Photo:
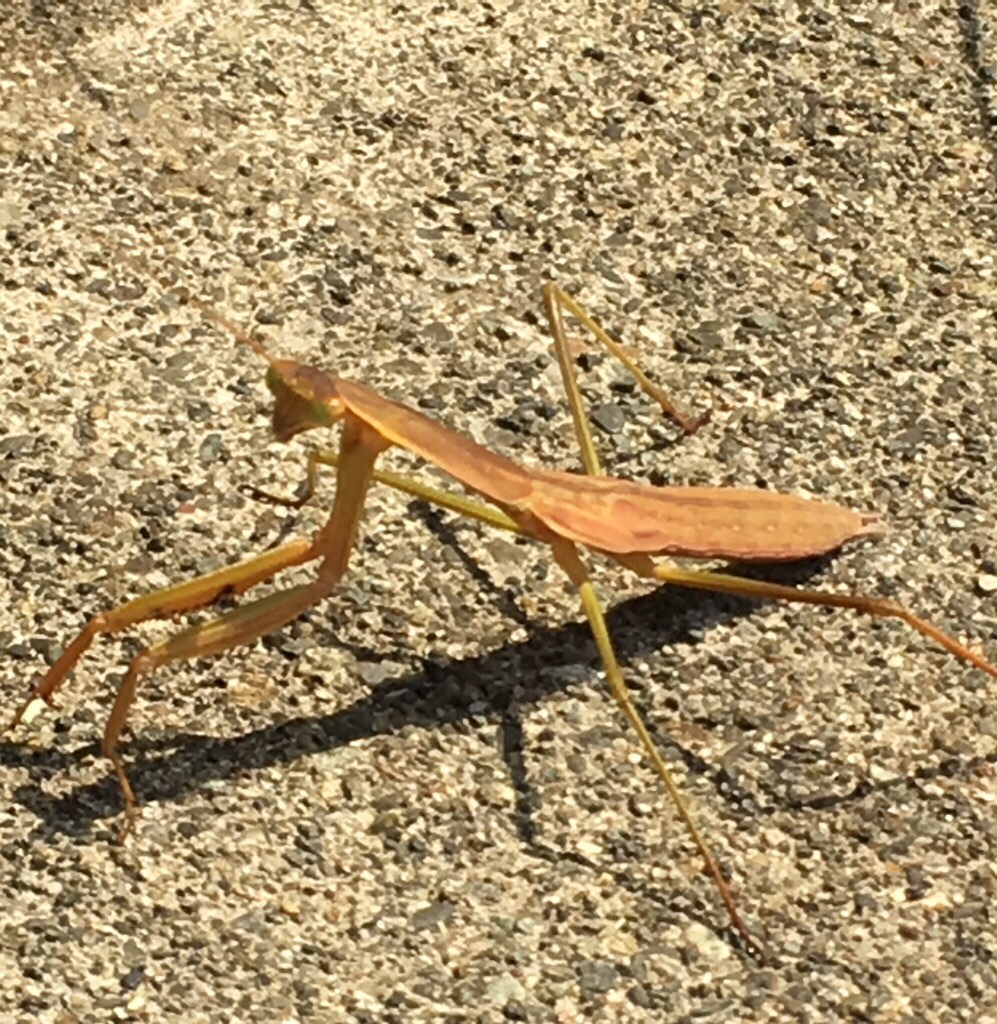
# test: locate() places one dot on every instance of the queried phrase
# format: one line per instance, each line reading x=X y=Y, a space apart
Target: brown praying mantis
x=625 y=521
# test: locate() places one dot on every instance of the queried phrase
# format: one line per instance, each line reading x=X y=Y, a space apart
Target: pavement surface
x=418 y=802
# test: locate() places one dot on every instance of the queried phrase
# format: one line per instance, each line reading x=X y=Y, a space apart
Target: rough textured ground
x=418 y=803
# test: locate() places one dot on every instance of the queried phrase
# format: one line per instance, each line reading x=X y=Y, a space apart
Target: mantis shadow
x=166 y=768
x=505 y=680
x=513 y=677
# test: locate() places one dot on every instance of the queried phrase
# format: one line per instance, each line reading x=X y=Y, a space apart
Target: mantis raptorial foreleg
x=333 y=544
x=179 y=599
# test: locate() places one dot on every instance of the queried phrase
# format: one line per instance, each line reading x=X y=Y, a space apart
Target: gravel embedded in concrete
x=418 y=803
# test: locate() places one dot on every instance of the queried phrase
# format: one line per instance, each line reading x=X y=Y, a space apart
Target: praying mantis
x=627 y=522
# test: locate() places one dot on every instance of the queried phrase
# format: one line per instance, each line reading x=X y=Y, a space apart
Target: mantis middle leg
x=566 y=555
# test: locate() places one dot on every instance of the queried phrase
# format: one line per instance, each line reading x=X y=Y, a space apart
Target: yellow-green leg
x=407 y=485
x=556 y=300
x=644 y=566
x=566 y=555
x=235 y=628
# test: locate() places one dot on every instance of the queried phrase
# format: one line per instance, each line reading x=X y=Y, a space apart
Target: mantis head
x=304 y=398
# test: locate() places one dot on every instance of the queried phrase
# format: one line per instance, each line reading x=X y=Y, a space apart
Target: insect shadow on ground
x=509 y=678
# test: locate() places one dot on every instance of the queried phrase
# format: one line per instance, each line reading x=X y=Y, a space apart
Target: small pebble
x=987 y=583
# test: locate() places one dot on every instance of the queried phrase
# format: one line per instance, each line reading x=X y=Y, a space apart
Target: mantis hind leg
x=740 y=586
x=556 y=302
x=567 y=557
